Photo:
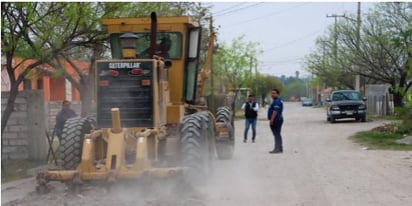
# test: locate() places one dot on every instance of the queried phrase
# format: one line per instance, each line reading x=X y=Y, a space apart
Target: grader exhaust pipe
x=153 y=34
x=116 y=126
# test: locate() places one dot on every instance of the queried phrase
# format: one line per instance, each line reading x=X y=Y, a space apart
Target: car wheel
x=332 y=119
x=363 y=119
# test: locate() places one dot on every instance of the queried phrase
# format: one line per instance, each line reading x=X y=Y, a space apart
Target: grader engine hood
x=127 y=85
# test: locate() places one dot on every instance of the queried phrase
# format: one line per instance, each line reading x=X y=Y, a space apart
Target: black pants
x=276 y=129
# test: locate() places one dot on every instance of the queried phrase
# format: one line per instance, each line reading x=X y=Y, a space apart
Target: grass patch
x=16 y=169
x=382 y=117
x=380 y=140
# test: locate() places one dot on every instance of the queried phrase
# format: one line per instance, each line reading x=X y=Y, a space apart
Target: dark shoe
x=253 y=141
x=275 y=151
x=244 y=140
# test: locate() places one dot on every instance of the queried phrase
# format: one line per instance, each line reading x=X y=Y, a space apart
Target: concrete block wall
x=24 y=135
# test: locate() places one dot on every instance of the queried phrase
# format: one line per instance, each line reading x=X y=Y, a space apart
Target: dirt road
x=320 y=166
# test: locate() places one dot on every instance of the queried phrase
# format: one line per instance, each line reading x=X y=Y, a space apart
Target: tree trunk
x=9 y=109
x=398 y=94
x=6 y=115
x=397 y=99
x=86 y=97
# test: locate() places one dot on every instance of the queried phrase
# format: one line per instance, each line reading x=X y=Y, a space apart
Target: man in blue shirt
x=61 y=117
x=250 y=107
x=276 y=120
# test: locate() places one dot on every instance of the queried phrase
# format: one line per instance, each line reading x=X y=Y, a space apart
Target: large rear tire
x=196 y=145
x=71 y=143
x=225 y=146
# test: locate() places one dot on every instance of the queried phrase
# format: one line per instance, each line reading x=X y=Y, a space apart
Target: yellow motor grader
x=149 y=121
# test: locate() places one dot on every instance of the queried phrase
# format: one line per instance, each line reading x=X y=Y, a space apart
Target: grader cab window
x=168 y=45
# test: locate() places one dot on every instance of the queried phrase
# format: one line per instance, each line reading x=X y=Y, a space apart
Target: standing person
x=276 y=120
x=250 y=107
x=64 y=114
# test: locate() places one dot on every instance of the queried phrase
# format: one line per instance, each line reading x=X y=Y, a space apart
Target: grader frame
x=164 y=132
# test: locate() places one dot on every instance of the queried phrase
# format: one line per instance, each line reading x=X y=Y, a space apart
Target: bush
x=405 y=127
x=404 y=114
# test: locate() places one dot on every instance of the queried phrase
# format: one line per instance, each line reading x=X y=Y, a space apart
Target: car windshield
x=339 y=96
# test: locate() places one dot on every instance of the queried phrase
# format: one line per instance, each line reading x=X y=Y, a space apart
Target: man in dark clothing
x=161 y=50
x=276 y=120
x=61 y=117
x=250 y=107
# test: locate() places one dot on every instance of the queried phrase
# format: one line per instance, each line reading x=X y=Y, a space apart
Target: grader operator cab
x=148 y=121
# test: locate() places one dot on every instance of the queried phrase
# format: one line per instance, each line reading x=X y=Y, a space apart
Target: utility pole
x=319 y=93
x=250 y=69
x=256 y=85
x=335 y=35
x=211 y=68
x=358 y=25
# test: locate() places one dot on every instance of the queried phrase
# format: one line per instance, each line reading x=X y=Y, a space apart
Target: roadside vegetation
x=17 y=169
x=380 y=140
x=386 y=136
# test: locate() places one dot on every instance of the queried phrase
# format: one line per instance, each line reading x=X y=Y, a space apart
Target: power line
x=241 y=8
x=265 y=16
x=282 y=61
x=293 y=41
x=230 y=8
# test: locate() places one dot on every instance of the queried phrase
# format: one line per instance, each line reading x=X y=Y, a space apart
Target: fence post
x=36 y=125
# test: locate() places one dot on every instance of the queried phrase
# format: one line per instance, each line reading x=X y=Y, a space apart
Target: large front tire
x=225 y=145
x=71 y=143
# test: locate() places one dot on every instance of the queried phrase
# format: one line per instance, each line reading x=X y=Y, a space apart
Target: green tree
x=86 y=41
x=233 y=64
x=72 y=31
x=19 y=20
x=295 y=88
x=380 y=55
x=262 y=85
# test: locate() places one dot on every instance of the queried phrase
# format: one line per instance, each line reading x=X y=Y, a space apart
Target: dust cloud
x=226 y=177
x=229 y=179
x=122 y=193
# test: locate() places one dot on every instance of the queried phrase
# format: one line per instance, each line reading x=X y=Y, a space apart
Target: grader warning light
x=113 y=73
x=136 y=71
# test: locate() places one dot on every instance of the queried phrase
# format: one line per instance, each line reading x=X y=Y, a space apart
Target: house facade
x=46 y=78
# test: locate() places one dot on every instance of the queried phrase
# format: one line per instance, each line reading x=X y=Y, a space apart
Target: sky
x=286 y=31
